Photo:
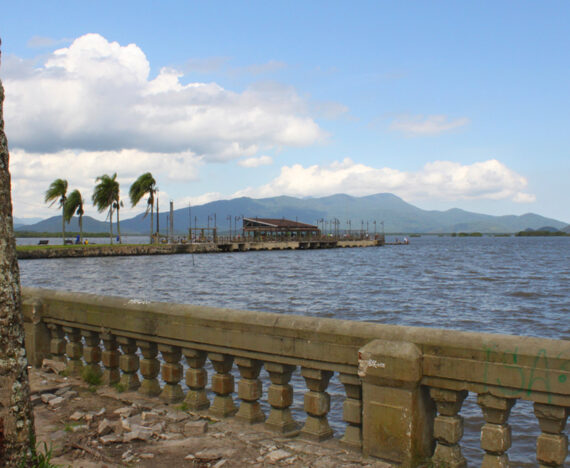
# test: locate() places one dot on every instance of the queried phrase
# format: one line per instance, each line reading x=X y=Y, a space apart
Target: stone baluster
x=171 y=374
x=57 y=343
x=448 y=427
x=129 y=363
x=196 y=379
x=110 y=359
x=496 y=432
x=317 y=403
x=92 y=354
x=222 y=385
x=149 y=368
x=249 y=390
x=74 y=351
x=552 y=445
x=352 y=410
x=280 y=397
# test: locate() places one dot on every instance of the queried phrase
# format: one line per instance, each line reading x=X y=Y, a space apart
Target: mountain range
x=397 y=215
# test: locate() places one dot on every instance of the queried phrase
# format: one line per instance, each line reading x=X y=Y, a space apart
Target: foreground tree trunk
x=16 y=416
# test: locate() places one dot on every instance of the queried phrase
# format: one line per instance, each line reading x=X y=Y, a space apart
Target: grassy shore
x=73 y=246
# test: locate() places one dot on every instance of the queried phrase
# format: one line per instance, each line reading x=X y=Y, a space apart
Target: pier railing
x=404 y=386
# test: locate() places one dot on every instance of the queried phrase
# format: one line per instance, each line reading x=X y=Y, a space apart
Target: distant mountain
x=20 y=222
x=53 y=224
x=397 y=215
x=566 y=229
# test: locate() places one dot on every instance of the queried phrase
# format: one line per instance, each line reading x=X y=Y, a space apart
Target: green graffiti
x=527 y=380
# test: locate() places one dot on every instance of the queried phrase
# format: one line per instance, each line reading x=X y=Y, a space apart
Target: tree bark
x=16 y=416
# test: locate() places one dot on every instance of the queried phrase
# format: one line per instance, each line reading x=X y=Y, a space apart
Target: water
x=518 y=286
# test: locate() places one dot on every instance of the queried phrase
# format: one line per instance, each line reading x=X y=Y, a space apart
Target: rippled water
x=497 y=285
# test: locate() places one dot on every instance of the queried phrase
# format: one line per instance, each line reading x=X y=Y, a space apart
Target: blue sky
x=445 y=104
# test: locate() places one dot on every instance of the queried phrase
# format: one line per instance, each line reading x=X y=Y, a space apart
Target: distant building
x=278 y=229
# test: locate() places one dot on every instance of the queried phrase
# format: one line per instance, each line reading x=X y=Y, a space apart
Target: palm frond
x=56 y=192
x=73 y=205
x=145 y=184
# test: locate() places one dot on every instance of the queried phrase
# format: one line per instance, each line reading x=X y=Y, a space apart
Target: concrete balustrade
x=404 y=386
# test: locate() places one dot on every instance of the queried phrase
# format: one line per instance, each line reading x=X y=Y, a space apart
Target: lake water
x=497 y=285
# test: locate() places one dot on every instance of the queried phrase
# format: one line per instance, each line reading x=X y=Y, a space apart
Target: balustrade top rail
x=535 y=369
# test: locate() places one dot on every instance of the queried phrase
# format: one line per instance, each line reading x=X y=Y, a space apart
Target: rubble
x=129 y=429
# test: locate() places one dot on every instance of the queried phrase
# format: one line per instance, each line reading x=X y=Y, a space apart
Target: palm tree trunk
x=119 y=227
x=81 y=229
x=62 y=227
x=16 y=416
x=111 y=224
x=151 y=220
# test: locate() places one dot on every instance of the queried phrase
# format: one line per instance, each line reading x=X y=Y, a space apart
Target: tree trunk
x=151 y=220
x=119 y=226
x=16 y=416
x=111 y=224
x=62 y=226
x=81 y=229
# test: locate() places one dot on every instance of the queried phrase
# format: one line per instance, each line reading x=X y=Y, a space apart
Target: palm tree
x=106 y=196
x=74 y=205
x=144 y=185
x=57 y=192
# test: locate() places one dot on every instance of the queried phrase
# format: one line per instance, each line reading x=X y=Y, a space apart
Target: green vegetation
x=91 y=376
x=182 y=406
x=540 y=233
x=26 y=248
x=119 y=387
x=144 y=185
x=74 y=205
x=57 y=193
x=106 y=196
x=466 y=234
x=39 y=458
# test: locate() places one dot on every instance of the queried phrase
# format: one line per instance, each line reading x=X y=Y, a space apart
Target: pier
x=404 y=386
x=197 y=247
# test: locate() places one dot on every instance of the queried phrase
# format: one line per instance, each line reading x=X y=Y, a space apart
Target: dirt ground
x=90 y=427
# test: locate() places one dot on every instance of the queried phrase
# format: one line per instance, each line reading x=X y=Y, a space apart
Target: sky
x=445 y=104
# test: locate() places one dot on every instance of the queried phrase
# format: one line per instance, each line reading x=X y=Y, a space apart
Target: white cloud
x=32 y=173
x=256 y=162
x=97 y=95
x=419 y=125
x=439 y=180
